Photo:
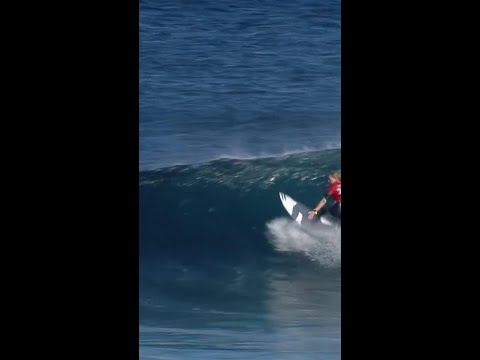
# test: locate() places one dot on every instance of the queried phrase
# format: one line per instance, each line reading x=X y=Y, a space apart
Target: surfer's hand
x=311 y=214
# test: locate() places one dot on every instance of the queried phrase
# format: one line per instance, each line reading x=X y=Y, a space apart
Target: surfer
x=334 y=191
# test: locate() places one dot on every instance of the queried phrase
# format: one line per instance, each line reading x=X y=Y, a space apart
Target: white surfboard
x=298 y=211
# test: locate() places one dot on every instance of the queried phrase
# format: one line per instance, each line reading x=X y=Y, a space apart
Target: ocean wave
x=228 y=210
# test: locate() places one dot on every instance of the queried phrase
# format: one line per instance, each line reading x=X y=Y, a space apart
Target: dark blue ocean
x=238 y=100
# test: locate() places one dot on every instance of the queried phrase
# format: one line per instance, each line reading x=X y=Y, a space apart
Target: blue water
x=237 y=78
x=238 y=100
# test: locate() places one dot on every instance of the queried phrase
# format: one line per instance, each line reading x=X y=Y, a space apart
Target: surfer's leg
x=336 y=210
x=320 y=213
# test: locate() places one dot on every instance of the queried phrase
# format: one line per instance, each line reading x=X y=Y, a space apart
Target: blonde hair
x=337 y=175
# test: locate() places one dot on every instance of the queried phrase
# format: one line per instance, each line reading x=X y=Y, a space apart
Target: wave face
x=225 y=272
x=228 y=210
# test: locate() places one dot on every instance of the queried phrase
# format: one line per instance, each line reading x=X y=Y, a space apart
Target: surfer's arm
x=317 y=208
x=320 y=204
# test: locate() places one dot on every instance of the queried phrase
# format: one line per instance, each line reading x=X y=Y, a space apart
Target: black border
x=116 y=175
x=83 y=172
x=369 y=257
x=390 y=232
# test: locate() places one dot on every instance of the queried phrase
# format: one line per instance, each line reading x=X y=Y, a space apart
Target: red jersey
x=335 y=191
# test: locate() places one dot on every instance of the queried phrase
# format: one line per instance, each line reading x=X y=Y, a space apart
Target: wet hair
x=336 y=175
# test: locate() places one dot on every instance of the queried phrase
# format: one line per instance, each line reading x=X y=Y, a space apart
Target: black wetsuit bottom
x=336 y=210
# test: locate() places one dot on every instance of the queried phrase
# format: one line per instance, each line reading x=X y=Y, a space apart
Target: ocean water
x=238 y=100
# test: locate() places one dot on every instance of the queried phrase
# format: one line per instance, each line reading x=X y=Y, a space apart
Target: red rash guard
x=335 y=191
